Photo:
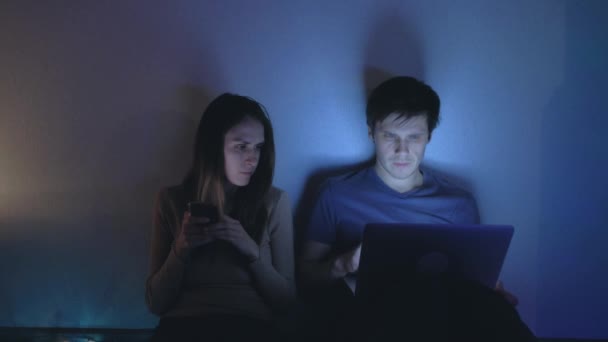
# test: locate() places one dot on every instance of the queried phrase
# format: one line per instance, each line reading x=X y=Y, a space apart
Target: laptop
x=396 y=251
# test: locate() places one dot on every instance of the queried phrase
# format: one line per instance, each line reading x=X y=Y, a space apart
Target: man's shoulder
x=346 y=182
x=448 y=185
x=456 y=194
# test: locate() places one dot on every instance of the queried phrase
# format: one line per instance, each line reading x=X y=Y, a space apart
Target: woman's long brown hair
x=207 y=176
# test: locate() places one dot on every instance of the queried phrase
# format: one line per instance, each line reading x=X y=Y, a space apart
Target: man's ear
x=370 y=133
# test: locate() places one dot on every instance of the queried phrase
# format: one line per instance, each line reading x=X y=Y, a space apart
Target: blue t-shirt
x=347 y=203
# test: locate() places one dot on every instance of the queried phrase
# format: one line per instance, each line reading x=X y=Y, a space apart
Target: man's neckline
x=414 y=189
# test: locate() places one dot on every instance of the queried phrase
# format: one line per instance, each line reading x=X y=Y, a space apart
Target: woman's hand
x=231 y=230
x=192 y=234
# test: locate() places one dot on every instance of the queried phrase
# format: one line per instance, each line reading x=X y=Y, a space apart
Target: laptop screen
x=396 y=251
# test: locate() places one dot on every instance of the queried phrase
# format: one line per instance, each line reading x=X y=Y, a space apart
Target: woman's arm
x=274 y=278
x=166 y=268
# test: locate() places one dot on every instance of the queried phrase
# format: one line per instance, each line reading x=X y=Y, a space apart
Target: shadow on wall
x=177 y=128
x=76 y=255
x=392 y=49
x=176 y=131
x=84 y=264
x=574 y=191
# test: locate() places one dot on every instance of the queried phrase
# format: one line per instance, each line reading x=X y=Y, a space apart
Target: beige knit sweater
x=215 y=280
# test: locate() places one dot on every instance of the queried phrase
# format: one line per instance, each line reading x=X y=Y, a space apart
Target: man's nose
x=402 y=146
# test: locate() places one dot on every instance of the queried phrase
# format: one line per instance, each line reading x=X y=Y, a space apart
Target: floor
x=73 y=335
x=111 y=335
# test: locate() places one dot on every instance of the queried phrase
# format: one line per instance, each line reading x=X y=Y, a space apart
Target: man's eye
x=415 y=137
x=389 y=136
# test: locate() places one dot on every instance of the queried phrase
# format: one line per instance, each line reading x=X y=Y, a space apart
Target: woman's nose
x=252 y=156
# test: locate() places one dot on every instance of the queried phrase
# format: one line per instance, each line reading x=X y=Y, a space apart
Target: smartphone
x=200 y=209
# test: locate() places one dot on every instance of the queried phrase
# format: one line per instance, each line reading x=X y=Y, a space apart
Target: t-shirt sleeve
x=322 y=224
x=467 y=213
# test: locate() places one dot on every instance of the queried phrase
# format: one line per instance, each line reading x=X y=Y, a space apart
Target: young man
x=402 y=114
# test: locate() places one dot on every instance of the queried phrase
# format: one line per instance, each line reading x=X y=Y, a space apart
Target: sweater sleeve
x=166 y=269
x=275 y=277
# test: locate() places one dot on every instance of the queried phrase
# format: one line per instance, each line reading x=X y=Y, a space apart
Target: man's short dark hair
x=405 y=96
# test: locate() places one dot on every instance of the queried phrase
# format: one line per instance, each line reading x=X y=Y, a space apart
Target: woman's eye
x=259 y=147
x=241 y=147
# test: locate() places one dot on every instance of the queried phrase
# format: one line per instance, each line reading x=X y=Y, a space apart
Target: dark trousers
x=213 y=328
x=421 y=310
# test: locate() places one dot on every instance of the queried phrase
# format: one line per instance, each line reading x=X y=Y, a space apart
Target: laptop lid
x=389 y=250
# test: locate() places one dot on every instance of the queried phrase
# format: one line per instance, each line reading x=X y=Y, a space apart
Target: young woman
x=224 y=279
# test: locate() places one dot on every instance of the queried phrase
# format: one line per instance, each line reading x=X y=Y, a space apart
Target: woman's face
x=242 y=146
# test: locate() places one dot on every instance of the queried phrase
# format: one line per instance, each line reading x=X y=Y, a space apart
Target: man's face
x=242 y=146
x=400 y=145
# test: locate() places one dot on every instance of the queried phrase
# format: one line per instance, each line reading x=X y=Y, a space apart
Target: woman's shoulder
x=278 y=209
x=274 y=196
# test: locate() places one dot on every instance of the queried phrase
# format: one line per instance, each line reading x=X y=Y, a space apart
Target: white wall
x=99 y=103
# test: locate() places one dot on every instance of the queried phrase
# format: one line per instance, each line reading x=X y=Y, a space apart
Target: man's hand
x=506 y=294
x=349 y=261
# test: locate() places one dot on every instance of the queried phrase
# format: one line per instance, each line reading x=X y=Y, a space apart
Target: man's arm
x=320 y=267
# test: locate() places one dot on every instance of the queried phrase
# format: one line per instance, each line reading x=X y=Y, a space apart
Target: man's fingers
x=510 y=298
x=506 y=294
